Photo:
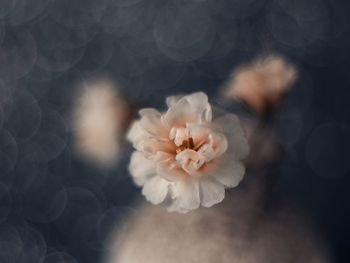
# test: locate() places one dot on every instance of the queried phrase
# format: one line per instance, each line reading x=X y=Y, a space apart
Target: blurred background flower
x=100 y=119
x=263 y=84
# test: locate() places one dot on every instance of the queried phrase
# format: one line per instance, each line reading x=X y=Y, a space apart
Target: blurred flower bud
x=262 y=84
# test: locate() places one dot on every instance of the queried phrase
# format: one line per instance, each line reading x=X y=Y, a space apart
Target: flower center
x=186 y=144
x=183 y=139
x=191 y=153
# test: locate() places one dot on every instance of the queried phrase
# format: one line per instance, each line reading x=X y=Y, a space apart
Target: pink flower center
x=192 y=154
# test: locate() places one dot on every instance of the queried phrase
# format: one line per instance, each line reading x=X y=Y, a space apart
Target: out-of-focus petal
x=230 y=126
x=172 y=100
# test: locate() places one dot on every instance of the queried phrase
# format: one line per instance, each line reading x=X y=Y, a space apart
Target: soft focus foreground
x=240 y=229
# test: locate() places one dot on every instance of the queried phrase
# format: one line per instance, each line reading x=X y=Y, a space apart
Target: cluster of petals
x=184 y=158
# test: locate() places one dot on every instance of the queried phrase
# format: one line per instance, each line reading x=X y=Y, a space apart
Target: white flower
x=183 y=159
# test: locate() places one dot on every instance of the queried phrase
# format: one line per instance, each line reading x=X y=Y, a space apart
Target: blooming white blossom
x=184 y=158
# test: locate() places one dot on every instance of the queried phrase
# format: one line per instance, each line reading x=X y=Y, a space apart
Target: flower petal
x=199 y=133
x=219 y=143
x=206 y=153
x=200 y=105
x=172 y=100
x=141 y=168
x=230 y=126
x=152 y=146
x=187 y=195
x=193 y=108
x=211 y=192
x=170 y=170
x=229 y=173
x=151 y=121
x=190 y=161
x=155 y=190
x=179 y=114
x=186 y=155
x=136 y=133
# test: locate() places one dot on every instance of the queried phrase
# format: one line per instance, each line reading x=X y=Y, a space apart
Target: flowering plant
x=184 y=158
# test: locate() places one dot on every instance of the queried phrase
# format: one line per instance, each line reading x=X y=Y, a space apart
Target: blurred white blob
x=261 y=84
x=98 y=122
x=238 y=230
